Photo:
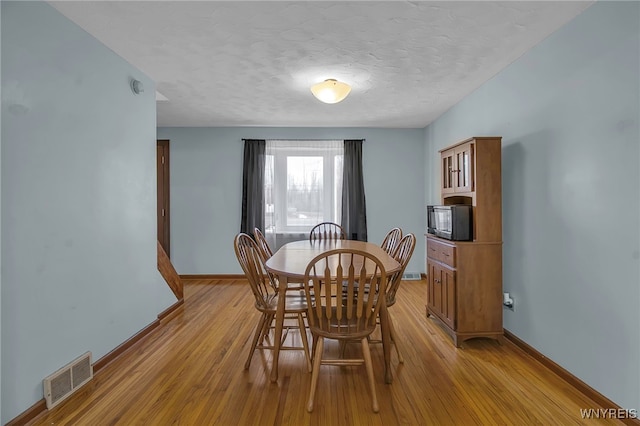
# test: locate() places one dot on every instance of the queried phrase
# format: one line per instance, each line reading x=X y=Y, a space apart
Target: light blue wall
x=206 y=189
x=79 y=266
x=568 y=112
x=0 y=235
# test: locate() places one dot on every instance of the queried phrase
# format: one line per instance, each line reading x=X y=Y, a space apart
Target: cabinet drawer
x=441 y=252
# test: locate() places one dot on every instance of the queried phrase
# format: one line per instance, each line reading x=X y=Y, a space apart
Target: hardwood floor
x=189 y=371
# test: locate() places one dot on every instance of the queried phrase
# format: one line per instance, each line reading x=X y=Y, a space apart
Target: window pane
x=269 y=211
x=338 y=161
x=305 y=195
x=465 y=169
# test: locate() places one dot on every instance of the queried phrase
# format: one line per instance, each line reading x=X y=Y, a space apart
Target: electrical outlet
x=508 y=301
x=512 y=306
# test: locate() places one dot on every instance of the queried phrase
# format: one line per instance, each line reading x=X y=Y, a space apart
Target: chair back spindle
x=262 y=243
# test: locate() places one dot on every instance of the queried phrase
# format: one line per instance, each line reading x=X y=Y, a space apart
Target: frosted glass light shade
x=330 y=91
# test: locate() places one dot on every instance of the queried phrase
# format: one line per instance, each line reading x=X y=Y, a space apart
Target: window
x=303 y=184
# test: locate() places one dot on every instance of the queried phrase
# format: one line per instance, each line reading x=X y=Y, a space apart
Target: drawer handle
x=446 y=254
x=432 y=249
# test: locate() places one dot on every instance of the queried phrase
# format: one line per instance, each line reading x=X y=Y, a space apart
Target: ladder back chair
x=327 y=231
x=391 y=240
x=266 y=251
x=342 y=311
x=266 y=300
x=402 y=255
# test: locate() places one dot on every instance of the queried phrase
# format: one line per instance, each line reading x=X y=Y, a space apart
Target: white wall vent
x=411 y=276
x=61 y=384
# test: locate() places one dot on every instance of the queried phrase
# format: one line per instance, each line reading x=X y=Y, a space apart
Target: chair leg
x=372 y=384
x=305 y=342
x=314 y=342
x=256 y=337
x=395 y=341
x=264 y=334
x=316 y=370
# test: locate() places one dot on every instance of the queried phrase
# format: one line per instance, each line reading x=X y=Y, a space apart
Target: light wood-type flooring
x=189 y=371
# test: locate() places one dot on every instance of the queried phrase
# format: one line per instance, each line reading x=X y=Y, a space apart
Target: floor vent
x=67 y=380
x=412 y=276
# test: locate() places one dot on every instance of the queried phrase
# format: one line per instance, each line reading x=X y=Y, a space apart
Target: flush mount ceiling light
x=330 y=91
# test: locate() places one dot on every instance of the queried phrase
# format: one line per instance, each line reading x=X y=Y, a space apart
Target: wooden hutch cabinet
x=465 y=277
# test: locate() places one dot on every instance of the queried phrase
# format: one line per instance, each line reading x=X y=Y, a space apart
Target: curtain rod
x=303 y=140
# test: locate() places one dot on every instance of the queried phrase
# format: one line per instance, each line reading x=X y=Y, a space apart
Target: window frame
x=280 y=153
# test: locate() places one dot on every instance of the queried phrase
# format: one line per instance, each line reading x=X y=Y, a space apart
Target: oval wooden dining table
x=289 y=264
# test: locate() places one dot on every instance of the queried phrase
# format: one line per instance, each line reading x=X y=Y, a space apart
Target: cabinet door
x=448 y=291
x=442 y=293
x=434 y=295
x=463 y=168
x=448 y=171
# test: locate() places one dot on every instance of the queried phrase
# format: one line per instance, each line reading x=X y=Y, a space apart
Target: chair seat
x=295 y=303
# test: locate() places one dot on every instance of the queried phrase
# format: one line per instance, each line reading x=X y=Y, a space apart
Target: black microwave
x=451 y=222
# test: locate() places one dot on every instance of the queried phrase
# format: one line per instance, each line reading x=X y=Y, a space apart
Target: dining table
x=289 y=264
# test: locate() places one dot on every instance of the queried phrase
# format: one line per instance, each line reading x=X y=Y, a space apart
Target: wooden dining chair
x=266 y=299
x=402 y=254
x=266 y=251
x=263 y=245
x=343 y=312
x=327 y=231
x=391 y=240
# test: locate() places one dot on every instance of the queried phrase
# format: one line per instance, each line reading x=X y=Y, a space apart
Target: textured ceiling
x=239 y=63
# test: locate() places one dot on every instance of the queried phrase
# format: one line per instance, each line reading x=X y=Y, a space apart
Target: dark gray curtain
x=253 y=186
x=354 y=209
